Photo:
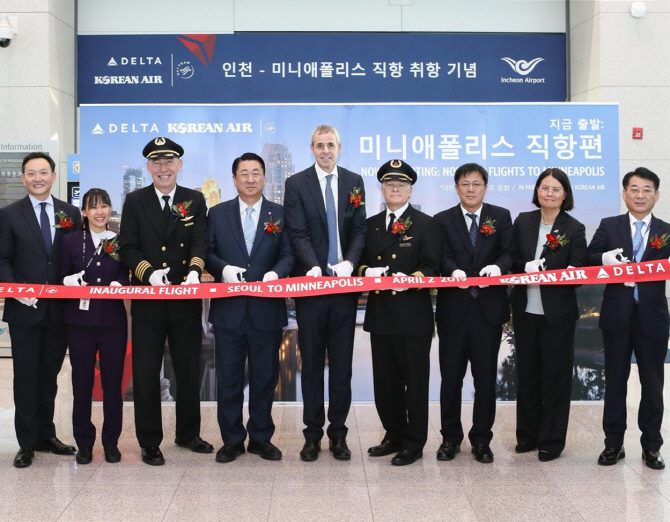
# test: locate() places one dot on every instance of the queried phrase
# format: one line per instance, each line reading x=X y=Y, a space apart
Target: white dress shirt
x=49 y=210
x=323 y=182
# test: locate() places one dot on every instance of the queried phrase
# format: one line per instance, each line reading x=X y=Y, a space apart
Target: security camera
x=8 y=29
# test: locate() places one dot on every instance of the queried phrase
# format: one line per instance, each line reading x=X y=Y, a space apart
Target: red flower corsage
x=111 y=248
x=659 y=242
x=554 y=242
x=272 y=227
x=488 y=227
x=356 y=198
x=64 y=221
x=182 y=210
x=401 y=226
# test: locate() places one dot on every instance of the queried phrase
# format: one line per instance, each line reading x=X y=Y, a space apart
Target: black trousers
x=401 y=371
x=326 y=325
x=544 y=362
x=478 y=342
x=184 y=339
x=650 y=355
x=233 y=349
x=37 y=356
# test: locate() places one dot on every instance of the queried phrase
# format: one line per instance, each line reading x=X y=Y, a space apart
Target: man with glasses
x=634 y=318
x=400 y=241
x=477 y=240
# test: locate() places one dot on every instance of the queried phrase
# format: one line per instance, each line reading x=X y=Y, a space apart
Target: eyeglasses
x=646 y=191
x=396 y=186
x=465 y=185
x=553 y=190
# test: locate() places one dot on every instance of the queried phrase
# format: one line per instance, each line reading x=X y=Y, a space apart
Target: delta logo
x=522 y=68
x=201 y=45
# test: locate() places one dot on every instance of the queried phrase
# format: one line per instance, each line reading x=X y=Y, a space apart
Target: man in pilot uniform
x=164 y=241
x=400 y=241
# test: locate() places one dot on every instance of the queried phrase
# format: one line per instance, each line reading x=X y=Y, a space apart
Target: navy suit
x=470 y=326
x=38 y=339
x=629 y=327
x=102 y=328
x=325 y=323
x=247 y=327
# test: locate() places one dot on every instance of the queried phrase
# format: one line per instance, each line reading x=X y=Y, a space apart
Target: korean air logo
x=270 y=128
x=185 y=70
x=51 y=290
x=97 y=129
x=522 y=67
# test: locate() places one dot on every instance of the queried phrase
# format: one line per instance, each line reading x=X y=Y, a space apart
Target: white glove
x=233 y=274
x=343 y=269
x=192 y=278
x=489 y=271
x=28 y=301
x=315 y=271
x=376 y=271
x=536 y=265
x=75 y=279
x=615 y=257
x=115 y=283
x=159 y=277
x=270 y=276
x=399 y=274
x=459 y=274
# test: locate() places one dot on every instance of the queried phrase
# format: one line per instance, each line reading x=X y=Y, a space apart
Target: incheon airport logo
x=185 y=70
x=522 y=68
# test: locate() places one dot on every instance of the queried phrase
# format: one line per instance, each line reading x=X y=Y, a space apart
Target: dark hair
x=38 y=155
x=467 y=169
x=562 y=178
x=248 y=156
x=94 y=196
x=643 y=173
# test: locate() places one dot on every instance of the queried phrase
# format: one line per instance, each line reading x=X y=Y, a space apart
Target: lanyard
x=83 y=253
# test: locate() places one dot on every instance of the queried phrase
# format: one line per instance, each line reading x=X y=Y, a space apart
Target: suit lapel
x=462 y=228
x=154 y=211
x=531 y=245
x=179 y=197
x=31 y=218
x=314 y=188
x=236 y=225
x=383 y=238
x=343 y=197
x=626 y=238
x=655 y=229
x=266 y=215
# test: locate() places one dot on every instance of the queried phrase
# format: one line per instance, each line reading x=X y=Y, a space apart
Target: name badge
x=84 y=304
x=405 y=245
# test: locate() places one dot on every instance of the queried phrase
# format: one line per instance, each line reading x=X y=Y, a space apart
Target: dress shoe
x=611 y=456
x=482 y=453
x=24 y=457
x=152 y=456
x=339 y=448
x=55 y=446
x=546 y=456
x=310 y=451
x=385 y=448
x=112 y=454
x=265 y=449
x=229 y=452
x=653 y=459
x=405 y=457
x=525 y=447
x=84 y=455
x=195 y=444
x=448 y=450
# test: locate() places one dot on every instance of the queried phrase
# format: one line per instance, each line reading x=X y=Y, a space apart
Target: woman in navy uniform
x=90 y=256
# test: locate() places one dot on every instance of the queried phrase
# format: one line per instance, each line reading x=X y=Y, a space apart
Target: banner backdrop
x=515 y=142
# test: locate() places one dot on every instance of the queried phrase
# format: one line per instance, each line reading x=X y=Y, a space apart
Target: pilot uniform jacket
x=270 y=252
x=100 y=272
x=151 y=242
x=558 y=301
x=24 y=258
x=414 y=253
x=615 y=313
x=458 y=254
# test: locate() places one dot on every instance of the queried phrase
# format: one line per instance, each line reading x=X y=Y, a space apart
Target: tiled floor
x=195 y=487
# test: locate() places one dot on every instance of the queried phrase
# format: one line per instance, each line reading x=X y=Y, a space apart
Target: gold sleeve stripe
x=361 y=270
x=417 y=274
x=141 y=268
x=199 y=262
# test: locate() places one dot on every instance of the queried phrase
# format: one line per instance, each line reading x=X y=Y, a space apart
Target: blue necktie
x=46 y=227
x=249 y=229
x=639 y=250
x=473 y=240
x=331 y=218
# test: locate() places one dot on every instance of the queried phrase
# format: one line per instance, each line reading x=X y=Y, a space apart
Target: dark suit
x=401 y=325
x=247 y=327
x=326 y=323
x=103 y=329
x=545 y=344
x=149 y=242
x=38 y=339
x=633 y=328
x=470 y=326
